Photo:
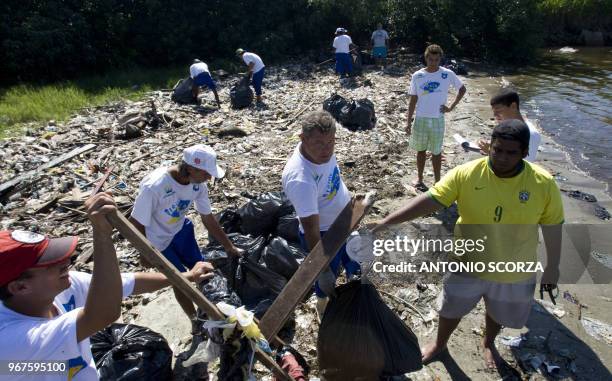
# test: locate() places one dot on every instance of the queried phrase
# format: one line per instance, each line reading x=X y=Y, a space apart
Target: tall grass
x=30 y=103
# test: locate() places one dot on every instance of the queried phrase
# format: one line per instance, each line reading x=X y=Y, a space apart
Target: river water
x=570 y=94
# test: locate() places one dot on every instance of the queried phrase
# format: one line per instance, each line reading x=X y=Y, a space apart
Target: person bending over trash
x=201 y=77
x=501 y=201
x=343 y=44
x=165 y=197
x=312 y=182
x=48 y=313
x=505 y=105
x=428 y=93
x=256 y=70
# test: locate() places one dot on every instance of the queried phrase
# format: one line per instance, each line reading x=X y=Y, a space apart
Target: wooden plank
x=154 y=257
x=318 y=259
x=58 y=160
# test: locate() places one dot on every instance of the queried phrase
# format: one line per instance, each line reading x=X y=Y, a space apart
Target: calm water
x=571 y=97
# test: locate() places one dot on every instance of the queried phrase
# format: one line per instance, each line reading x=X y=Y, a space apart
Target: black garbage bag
x=358 y=115
x=334 y=105
x=217 y=289
x=241 y=95
x=282 y=257
x=181 y=93
x=229 y=220
x=125 y=352
x=255 y=284
x=359 y=322
x=215 y=253
x=260 y=216
x=366 y=58
x=287 y=228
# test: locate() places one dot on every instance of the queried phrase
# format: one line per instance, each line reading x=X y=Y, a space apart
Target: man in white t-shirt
x=165 y=197
x=255 y=71
x=428 y=95
x=380 y=44
x=343 y=44
x=48 y=313
x=311 y=180
x=505 y=105
x=198 y=71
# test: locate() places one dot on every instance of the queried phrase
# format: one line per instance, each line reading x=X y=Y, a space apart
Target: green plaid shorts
x=427 y=134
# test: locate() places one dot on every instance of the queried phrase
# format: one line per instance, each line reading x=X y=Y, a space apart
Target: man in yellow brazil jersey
x=504 y=198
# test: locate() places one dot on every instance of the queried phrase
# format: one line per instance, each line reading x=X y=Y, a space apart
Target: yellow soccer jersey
x=505 y=210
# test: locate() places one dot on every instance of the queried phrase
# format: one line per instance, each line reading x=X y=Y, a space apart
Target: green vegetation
x=47 y=44
x=28 y=103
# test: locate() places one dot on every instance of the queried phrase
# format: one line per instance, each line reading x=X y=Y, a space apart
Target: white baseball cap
x=203 y=157
x=340 y=30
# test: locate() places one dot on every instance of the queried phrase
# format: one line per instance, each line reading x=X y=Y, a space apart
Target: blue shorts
x=204 y=79
x=379 y=52
x=344 y=63
x=183 y=251
x=258 y=80
x=341 y=257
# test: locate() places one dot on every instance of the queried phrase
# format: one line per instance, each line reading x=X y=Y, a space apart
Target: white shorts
x=508 y=304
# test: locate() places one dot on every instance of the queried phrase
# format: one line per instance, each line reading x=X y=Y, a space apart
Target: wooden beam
x=318 y=259
x=153 y=256
x=58 y=160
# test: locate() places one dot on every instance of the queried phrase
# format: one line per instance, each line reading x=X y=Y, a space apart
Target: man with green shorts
x=428 y=95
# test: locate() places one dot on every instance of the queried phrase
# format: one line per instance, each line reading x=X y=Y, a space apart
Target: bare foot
x=491 y=356
x=420 y=186
x=431 y=351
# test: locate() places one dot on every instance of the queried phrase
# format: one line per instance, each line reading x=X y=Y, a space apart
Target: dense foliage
x=57 y=39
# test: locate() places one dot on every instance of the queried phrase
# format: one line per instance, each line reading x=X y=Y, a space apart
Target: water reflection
x=571 y=97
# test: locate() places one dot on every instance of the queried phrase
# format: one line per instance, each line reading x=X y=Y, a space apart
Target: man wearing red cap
x=47 y=312
x=165 y=197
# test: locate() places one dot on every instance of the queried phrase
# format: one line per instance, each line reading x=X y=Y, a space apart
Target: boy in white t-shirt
x=255 y=71
x=165 y=197
x=428 y=95
x=343 y=44
x=311 y=180
x=505 y=105
x=48 y=313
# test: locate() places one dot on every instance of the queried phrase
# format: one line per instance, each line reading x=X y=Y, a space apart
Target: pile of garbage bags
x=266 y=228
x=355 y=115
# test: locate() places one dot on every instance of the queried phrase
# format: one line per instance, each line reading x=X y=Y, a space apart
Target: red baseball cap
x=21 y=250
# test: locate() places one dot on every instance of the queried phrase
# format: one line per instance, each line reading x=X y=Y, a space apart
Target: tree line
x=49 y=40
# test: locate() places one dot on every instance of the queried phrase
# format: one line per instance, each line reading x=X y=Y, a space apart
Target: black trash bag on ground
x=282 y=257
x=255 y=284
x=125 y=352
x=334 y=105
x=229 y=220
x=215 y=253
x=358 y=115
x=366 y=58
x=241 y=95
x=235 y=358
x=287 y=228
x=181 y=93
x=359 y=322
x=260 y=216
x=217 y=289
